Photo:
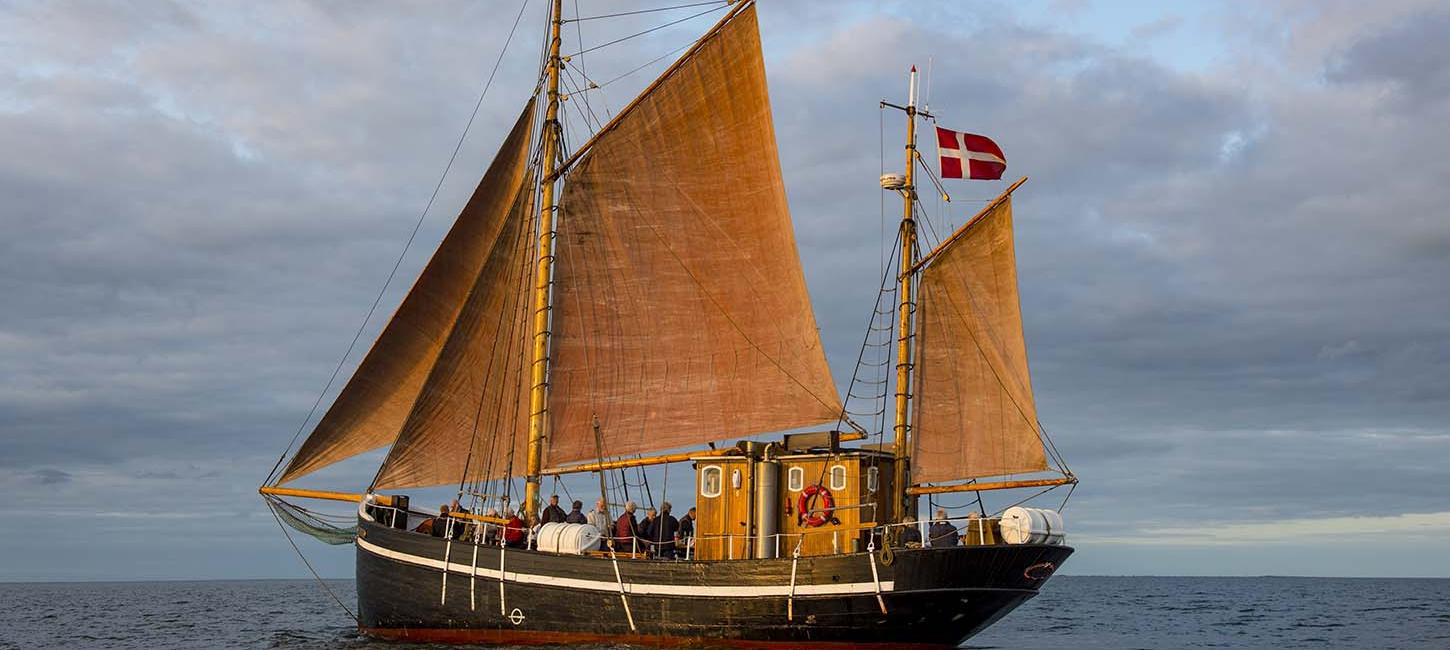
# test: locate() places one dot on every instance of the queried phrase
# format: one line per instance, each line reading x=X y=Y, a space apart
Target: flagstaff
x=901 y=444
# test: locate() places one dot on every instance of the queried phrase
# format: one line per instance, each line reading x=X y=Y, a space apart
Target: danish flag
x=964 y=155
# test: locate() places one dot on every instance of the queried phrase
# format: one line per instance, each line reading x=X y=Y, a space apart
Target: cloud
x=1419 y=527
x=50 y=476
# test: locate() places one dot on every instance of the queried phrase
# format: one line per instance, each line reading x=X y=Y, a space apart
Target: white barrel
x=1021 y=525
x=570 y=539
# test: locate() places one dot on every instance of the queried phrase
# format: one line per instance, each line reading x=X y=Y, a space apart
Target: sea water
x=1071 y=612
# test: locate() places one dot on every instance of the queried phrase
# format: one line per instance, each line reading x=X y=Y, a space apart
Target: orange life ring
x=803 y=506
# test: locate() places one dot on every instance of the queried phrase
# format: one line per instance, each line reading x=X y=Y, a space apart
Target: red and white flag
x=964 y=155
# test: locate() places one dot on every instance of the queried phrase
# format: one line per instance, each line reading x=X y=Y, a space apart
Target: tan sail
x=469 y=418
x=680 y=312
x=371 y=408
x=975 y=414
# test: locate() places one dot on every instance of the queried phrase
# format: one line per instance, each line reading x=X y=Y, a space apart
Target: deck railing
x=970 y=531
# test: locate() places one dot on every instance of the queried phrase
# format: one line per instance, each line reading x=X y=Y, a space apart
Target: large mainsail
x=680 y=312
x=370 y=410
x=975 y=414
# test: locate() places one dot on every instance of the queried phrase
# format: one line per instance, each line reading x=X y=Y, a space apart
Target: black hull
x=931 y=597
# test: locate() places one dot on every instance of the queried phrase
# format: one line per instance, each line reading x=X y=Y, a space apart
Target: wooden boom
x=484 y=518
x=983 y=487
x=622 y=463
x=380 y=499
x=638 y=462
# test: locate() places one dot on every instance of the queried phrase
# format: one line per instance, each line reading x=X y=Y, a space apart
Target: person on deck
x=664 y=532
x=440 y=523
x=553 y=513
x=460 y=526
x=490 y=531
x=910 y=534
x=626 y=530
x=942 y=533
x=514 y=533
x=685 y=533
x=647 y=531
x=599 y=518
x=575 y=516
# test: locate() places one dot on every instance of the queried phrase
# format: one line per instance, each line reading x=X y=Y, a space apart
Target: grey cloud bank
x=1233 y=277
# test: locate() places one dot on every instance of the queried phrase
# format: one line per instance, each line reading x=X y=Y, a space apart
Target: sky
x=1233 y=250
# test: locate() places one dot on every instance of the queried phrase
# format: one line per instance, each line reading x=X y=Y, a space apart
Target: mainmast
x=901 y=446
x=539 y=394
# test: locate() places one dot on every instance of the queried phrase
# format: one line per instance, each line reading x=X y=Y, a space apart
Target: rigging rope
x=320 y=581
x=600 y=86
x=652 y=29
x=642 y=11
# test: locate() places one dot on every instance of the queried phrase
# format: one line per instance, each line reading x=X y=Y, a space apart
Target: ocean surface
x=1072 y=612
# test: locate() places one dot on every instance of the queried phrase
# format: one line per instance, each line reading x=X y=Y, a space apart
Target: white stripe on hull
x=632 y=588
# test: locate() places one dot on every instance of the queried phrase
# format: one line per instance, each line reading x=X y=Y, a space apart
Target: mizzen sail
x=975 y=415
x=680 y=312
x=371 y=409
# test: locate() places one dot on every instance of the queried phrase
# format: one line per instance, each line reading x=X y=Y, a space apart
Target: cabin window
x=710 y=481
x=795 y=479
x=735 y=479
x=838 y=477
x=873 y=474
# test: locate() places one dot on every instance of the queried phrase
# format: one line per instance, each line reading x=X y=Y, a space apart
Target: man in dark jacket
x=626 y=530
x=575 y=515
x=942 y=532
x=440 y=523
x=663 y=534
x=910 y=534
x=647 y=531
x=686 y=532
x=553 y=513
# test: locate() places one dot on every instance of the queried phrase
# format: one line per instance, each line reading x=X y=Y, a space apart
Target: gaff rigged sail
x=975 y=415
x=680 y=312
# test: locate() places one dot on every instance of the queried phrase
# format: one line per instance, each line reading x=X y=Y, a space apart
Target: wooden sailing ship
x=643 y=294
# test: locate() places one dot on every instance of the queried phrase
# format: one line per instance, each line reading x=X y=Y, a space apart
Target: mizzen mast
x=901 y=445
x=539 y=363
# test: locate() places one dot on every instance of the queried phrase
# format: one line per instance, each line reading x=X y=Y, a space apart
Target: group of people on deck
x=513 y=534
x=941 y=533
x=659 y=535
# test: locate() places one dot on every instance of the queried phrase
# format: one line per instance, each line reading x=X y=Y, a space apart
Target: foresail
x=975 y=414
x=470 y=419
x=371 y=408
x=681 y=314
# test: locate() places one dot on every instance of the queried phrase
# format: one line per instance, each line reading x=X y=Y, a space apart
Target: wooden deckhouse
x=775 y=502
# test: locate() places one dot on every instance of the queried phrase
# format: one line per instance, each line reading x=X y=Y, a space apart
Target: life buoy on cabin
x=819 y=517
